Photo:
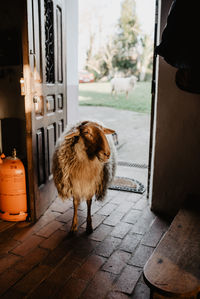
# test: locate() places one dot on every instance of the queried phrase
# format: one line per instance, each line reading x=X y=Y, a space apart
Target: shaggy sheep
x=123 y=85
x=84 y=165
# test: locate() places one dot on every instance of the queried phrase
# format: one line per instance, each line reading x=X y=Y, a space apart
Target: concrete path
x=132 y=129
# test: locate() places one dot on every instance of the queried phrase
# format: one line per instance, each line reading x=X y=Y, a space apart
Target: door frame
x=153 y=97
x=28 y=108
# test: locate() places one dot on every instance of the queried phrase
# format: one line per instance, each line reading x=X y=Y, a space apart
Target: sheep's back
x=61 y=166
x=122 y=84
x=76 y=176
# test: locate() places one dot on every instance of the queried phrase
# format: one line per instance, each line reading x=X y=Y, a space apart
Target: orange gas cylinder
x=13 y=201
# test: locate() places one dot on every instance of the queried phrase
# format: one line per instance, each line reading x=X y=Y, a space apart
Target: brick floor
x=44 y=261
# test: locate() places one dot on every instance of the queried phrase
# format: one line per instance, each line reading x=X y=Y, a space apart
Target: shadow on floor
x=42 y=261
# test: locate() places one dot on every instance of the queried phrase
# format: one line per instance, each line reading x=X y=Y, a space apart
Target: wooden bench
x=173 y=270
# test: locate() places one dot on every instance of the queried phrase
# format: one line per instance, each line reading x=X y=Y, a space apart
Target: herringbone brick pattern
x=43 y=261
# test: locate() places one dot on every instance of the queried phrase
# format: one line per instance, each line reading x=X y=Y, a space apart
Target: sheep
x=123 y=85
x=84 y=164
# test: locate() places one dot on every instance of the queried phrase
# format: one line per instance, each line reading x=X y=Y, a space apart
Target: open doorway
x=116 y=41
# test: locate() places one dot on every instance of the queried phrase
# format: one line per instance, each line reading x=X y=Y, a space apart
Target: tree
x=127 y=38
x=101 y=64
x=145 y=58
x=128 y=50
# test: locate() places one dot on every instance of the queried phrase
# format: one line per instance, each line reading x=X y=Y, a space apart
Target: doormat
x=132 y=164
x=127 y=184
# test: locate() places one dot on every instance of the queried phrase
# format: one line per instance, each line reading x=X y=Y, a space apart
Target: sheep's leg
x=112 y=91
x=127 y=94
x=74 y=226
x=89 y=228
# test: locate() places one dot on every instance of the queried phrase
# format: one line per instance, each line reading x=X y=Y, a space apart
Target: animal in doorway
x=84 y=164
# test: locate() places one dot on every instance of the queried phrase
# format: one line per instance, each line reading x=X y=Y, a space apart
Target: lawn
x=99 y=94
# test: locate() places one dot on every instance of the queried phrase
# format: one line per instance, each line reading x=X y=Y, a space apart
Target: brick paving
x=44 y=261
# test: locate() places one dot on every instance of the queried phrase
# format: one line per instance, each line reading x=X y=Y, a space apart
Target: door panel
x=45 y=94
x=50 y=104
x=59 y=43
x=40 y=157
x=60 y=127
x=60 y=101
x=47 y=26
x=51 y=139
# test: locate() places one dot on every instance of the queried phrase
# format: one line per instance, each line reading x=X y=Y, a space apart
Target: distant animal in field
x=84 y=164
x=123 y=85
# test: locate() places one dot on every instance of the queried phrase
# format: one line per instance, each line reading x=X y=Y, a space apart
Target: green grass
x=99 y=94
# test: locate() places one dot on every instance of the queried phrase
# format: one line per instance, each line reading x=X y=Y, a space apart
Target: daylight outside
x=115 y=73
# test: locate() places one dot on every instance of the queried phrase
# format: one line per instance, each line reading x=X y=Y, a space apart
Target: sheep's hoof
x=73 y=229
x=89 y=230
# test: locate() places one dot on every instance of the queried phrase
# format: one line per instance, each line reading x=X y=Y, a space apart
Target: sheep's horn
x=108 y=131
x=73 y=134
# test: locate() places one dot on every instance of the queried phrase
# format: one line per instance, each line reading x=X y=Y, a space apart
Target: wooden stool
x=173 y=270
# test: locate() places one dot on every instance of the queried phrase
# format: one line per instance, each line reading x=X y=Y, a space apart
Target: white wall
x=71 y=9
x=176 y=164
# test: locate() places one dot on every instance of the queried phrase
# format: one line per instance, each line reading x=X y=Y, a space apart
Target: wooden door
x=45 y=95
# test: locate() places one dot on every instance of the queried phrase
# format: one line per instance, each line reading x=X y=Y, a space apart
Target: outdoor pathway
x=133 y=131
x=132 y=128
x=43 y=261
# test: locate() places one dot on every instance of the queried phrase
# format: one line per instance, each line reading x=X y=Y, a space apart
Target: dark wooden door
x=45 y=95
